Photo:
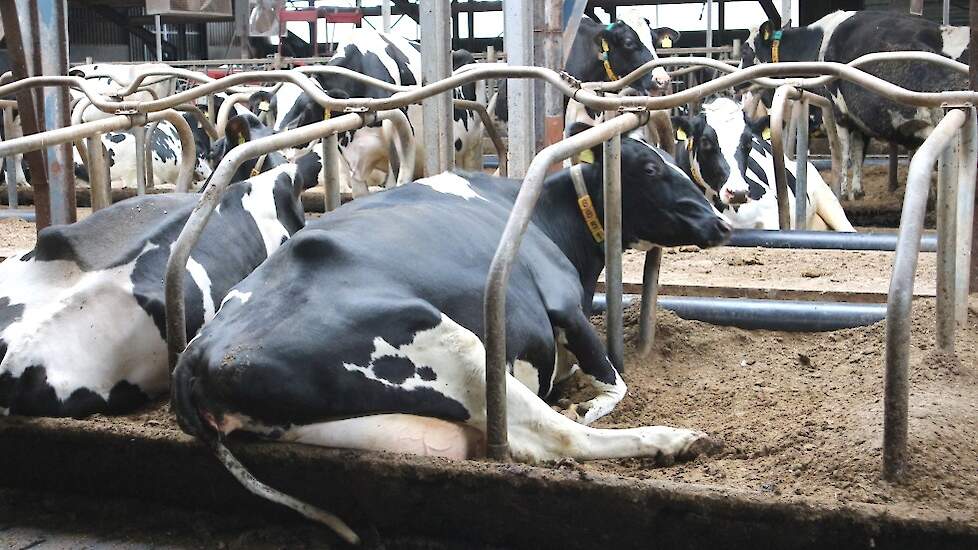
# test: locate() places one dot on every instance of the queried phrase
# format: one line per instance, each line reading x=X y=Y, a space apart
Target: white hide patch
x=827 y=25
x=235 y=293
x=451 y=184
x=203 y=282
x=526 y=373
x=85 y=328
x=956 y=40
x=447 y=349
x=260 y=203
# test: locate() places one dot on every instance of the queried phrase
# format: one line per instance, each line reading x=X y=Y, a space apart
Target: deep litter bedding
x=801 y=415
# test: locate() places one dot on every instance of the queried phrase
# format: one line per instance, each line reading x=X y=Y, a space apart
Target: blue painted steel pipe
x=786 y=315
x=824 y=240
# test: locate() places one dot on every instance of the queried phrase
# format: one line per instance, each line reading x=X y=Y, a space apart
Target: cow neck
x=796 y=44
x=559 y=215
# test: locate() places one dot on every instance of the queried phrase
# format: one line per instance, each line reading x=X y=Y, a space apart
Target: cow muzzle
x=735 y=197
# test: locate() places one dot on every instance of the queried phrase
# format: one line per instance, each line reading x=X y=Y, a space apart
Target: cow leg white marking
x=397 y=433
x=845 y=139
x=857 y=146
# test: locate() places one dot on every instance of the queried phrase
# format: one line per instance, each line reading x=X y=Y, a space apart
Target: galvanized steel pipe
x=176 y=331
x=947 y=217
x=650 y=295
x=614 y=323
x=898 y=307
x=778 y=105
x=801 y=165
x=497 y=445
x=967 y=152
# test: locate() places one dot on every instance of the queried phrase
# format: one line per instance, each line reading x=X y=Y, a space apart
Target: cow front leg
x=538 y=433
x=595 y=369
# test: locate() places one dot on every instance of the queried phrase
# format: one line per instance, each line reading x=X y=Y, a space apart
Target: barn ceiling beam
x=123 y=21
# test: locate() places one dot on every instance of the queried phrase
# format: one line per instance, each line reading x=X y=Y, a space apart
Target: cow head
x=652 y=39
x=262 y=104
x=202 y=142
x=239 y=130
x=759 y=47
x=625 y=52
x=660 y=205
x=715 y=147
x=305 y=111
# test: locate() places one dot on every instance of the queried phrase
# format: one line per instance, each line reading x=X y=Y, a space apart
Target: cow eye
x=706 y=145
x=629 y=43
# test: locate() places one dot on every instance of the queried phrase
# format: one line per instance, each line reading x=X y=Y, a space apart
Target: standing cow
x=366 y=151
x=731 y=161
x=846 y=35
x=82 y=326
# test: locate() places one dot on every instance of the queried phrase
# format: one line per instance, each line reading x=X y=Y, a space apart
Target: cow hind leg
x=399 y=433
x=858 y=148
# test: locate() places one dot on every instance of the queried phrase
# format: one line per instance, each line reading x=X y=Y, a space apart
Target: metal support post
x=916 y=7
x=900 y=298
x=786 y=13
x=650 y=297
x=385 y=15
x=9 y=164
x=139 y=135
x=614 y=315
x=554 y=100
x=52 y=41
x=973 y=82
x=518 y=43
x=801 y=166
x=331 y=173
x=709 y=26
x=241 y=27
x=159 y=37
x=946 y=13
x=436 y=64
x=967 y=169
x=947 y=217
x=99 y=178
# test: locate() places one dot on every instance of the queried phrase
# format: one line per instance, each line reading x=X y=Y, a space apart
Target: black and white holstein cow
x=604 y=53
x=82 y=314
x=367 y=151
x=732 y=162
x=364 y=330
x=846 y=35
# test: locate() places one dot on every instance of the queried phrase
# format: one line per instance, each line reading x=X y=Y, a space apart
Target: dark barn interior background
x=107 y=30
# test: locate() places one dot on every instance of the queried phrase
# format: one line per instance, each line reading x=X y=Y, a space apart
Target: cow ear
x=665 y=37
x=595 y=154
x=606 y=33
x=237 y=131
x=761 y=126
x=307 y=173
x=766 y=32
x=684 y=130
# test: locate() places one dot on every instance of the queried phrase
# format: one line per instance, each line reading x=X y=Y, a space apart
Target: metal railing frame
x=532 y=186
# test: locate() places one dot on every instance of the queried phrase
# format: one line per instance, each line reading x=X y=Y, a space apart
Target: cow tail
x=264 y=491
x=191 y=421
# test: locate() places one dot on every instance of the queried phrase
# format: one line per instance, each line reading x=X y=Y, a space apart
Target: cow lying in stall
x=733 y=163
x=81 y=315
x=396 y=361
x=843 y=36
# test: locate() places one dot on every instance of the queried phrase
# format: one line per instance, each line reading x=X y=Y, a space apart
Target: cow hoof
x=701 y=445
x=573 y=413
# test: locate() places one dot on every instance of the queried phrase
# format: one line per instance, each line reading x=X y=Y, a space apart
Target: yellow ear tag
x=766 y=134
x=681 y=135
x=263 y=106
x=241 y=140
x=587 y=156
x=666 y=42
x=767 y=34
